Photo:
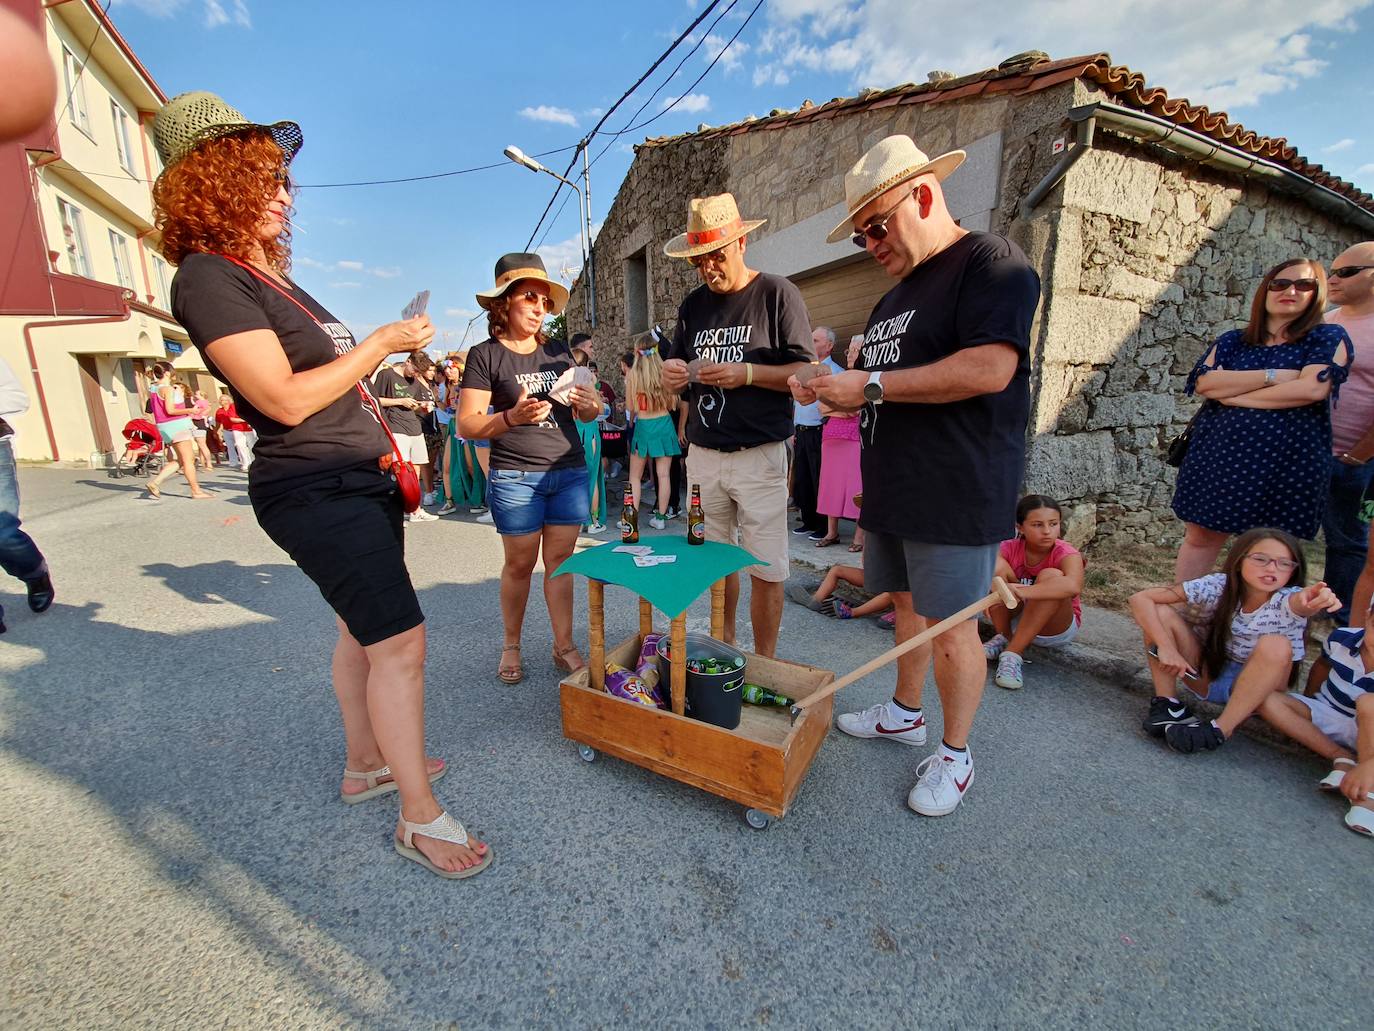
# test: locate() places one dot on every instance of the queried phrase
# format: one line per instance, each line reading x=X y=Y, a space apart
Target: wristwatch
x=873 y=389
x=1270 y=376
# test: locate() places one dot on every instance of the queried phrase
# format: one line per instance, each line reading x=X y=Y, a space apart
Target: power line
x=99 y=24
x=422 y=178
x=605 y=117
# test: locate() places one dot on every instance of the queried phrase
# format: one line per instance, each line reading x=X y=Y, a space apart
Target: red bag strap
x=369 y=401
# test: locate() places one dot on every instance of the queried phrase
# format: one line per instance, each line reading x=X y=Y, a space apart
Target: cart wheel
x=757 y=819
x=587 y=753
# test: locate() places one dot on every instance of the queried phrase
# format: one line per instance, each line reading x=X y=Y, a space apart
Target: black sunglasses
x=876 y=228
x=1302 y=286
x=1346 y=271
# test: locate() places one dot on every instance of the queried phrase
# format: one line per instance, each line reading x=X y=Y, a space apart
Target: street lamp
x=584 y=211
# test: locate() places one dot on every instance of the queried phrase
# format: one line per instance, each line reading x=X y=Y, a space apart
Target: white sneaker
x=879 y=721
x=448 y=508
x=939 y=789
x=595 y=528
x=994 y=647
x=427 y=500
x=1009 y=672
x=1332 y=781
x=485 y=517
x=658 y=522
x=421 y=516
x=477 y=510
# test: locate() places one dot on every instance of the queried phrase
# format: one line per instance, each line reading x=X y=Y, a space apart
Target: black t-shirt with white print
x=390 y=383
x=950 y=473
x=766 y=324
x=538 y=447
x=214 y=298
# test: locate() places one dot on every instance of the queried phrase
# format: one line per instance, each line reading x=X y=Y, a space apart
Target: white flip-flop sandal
x=445 y=828
x=1339 y=768
x=1361 y=820
x=374 y=787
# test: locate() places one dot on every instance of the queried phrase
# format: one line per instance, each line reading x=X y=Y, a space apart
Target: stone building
x=1149 y=219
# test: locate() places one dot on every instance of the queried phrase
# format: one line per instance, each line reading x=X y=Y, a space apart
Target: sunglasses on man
x=1302 y=286
x=716 y=257
x=1346 y=271
x=875 y=229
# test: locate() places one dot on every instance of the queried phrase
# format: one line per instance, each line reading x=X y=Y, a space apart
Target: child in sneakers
x=1046 y=573
x=1235 y=637
x=823 y=599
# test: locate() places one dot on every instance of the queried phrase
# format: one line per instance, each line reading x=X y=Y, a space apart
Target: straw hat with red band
x=888 y=163
x=511 y=268
x=712 y=222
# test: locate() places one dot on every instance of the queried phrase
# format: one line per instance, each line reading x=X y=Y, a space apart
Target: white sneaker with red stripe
x=940 y=785
x=883 y=721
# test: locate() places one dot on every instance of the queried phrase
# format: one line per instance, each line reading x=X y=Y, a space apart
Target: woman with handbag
x=319 y=482
x=538 y=485
x=1258 y=451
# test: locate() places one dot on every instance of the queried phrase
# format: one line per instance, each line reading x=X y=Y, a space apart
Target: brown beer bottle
x=696 y=518
x=629 y=519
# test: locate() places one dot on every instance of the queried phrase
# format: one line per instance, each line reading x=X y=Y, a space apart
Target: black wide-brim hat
x=511 y=268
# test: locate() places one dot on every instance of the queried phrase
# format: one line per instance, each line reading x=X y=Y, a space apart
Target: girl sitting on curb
x=1046 y=573
x=1236 y=637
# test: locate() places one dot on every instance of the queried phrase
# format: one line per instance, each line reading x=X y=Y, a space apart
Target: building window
x=123 y=270
x=637 y=291
x=122 y=137
x=164 y=291
x=76 y=91
x=74 y=239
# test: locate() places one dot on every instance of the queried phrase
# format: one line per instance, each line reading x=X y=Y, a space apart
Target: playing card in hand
x=576 y=376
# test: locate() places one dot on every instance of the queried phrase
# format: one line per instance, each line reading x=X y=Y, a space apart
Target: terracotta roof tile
x=1123 y=85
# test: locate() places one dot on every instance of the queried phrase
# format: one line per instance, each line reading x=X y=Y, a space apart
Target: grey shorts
x=941 y=578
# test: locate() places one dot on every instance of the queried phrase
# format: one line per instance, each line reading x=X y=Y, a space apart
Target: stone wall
x=1153 y=257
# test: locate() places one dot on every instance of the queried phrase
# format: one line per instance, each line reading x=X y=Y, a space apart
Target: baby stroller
x=143 y=451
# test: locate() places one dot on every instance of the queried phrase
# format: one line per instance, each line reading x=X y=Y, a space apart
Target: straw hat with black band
x=189 y=119
x=511 y=268
x=712 y=222
x=888 y=163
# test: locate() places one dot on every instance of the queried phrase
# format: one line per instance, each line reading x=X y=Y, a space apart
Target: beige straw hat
x=511 y=268
x=712 y=222
x=888 y=163
x=190 y=119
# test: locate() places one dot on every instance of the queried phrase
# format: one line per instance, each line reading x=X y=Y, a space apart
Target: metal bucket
x=711 y=697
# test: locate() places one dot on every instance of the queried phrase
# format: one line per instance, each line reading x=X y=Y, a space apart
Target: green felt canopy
x=671 y=587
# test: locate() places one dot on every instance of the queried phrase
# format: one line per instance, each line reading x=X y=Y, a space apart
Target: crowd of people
x=745 y=398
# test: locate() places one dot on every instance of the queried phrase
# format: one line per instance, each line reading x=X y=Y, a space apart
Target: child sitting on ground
x=1236 y=637
x=1046 y=573
x=823 y=600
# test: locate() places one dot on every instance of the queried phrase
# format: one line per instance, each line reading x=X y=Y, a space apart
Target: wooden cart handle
x=1000 y=593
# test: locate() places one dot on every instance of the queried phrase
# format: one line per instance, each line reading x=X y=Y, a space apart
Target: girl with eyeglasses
x=1234 y=637
x=1261 y=443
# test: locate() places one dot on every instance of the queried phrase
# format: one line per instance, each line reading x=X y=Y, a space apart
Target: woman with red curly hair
x=316 y=484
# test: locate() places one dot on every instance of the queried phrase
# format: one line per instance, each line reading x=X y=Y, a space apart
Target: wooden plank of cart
x=761 y=763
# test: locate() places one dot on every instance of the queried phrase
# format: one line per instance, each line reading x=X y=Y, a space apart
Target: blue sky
x=386 y=91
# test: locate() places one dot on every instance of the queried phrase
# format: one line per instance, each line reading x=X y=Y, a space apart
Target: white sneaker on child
x=883 y=721
x=994 y=647
x=1008 y=673
x=1339 y=768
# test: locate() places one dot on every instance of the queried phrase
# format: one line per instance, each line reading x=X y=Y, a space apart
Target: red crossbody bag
x=403 y=473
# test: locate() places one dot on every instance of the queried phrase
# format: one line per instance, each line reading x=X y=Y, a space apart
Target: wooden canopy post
x=678 y=642
x=596 y=632
x=646 y=619
x=718 y=610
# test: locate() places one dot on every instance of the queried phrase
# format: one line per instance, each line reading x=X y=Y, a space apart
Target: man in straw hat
x=942 y=382
x=745 y=333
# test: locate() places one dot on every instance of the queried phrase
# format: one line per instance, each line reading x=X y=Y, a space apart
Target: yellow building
x=84 y=299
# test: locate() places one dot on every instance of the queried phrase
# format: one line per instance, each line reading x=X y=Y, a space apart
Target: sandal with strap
x=445 y=828
x=510 y=674
x=374 y=785
x=562 y=663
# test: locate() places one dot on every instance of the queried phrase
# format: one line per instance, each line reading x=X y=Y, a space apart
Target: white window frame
x=164 y=287
x=123 y=141
x=76 y=91
x=74 y=238
x=124 y=269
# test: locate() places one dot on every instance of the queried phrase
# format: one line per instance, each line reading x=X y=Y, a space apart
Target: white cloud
x=1226 y=54
x=216 y=15
x=1339 y=146
x=692 y=103
x=729 y=59
x=566 y=254
x=305 y=262
x=352 y=266
x=385 y=273
x=215 y=12
x=545 y=113
x=345 y=286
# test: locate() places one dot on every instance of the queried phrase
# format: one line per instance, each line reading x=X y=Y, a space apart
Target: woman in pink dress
x=840 y=476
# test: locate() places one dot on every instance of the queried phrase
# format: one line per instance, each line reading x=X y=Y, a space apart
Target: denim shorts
x=1219 y=690
x=525 y=501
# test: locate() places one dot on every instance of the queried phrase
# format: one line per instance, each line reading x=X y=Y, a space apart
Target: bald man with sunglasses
x=1351 y=287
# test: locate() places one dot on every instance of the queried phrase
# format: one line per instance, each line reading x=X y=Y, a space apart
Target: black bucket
x=711 y=697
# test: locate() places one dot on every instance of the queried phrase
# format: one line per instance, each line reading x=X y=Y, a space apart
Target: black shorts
x=345 y=532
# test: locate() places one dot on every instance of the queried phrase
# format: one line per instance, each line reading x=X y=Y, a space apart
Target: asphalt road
x=174 y=855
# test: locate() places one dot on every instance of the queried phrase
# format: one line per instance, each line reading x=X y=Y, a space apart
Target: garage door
x=843 y=297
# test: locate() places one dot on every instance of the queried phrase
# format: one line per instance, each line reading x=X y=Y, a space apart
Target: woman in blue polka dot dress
x=1261 y=445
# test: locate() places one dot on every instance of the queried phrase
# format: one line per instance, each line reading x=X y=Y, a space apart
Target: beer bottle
x=756 y=695
x=696 y=518
x=629 y=519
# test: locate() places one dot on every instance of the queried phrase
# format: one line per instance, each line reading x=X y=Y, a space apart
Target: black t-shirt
x=551 y=444
x=214 y=298
x=950 y=473
x=765 y=323
x=390 y=383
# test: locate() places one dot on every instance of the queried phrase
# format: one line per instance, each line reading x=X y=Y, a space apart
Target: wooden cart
x=761 y=763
